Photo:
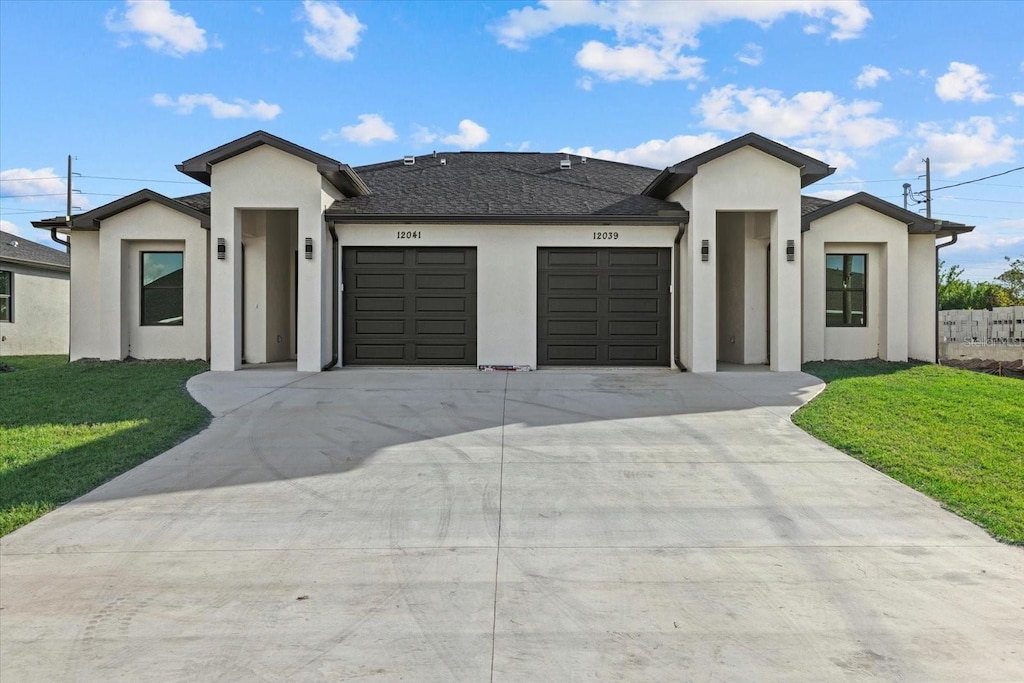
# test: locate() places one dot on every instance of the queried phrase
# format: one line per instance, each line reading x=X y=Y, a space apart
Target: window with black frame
x=163 y=293
x=846 y=290
x=6 y=296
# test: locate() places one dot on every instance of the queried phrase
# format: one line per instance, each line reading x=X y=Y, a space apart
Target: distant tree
x=1012 y=282
x=957 y=293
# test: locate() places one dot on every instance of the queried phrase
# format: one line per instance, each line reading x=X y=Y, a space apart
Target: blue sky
x=132 y=88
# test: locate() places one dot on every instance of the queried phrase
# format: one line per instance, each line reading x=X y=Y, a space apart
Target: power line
x=102 y=177
x=992 y=201
x=968 y=182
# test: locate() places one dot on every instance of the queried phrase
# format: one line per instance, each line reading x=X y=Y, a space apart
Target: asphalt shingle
x=19 y=248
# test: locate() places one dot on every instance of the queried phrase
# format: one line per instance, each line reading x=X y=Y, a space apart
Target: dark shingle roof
x=15 y=248
x=504 y=184
x=809 y=204
x=200 y=201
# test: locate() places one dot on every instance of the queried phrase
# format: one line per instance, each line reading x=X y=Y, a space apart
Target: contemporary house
x=502 y=259
x=34 y=297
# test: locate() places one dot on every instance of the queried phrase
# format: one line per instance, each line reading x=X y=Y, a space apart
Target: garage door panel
x=603 y=306
x=634 y=305
x=436 y=304
x=451 y=328
x=409 y=305
x=577 y=328
x=441 y=281
x=379 y=304
x=369 y=256
x=569 y=305
x=381 y=281
x=634 y=328
x=441 y=256
x=380 y=327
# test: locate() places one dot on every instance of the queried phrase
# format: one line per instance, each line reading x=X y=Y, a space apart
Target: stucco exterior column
x=225 y=288
x=701 y=289
x=785 y=277
x=310 y=313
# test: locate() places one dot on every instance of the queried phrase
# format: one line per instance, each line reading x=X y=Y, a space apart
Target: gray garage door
x=409 y=306
x=603 y=306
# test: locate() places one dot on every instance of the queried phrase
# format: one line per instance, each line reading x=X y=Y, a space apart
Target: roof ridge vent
x=444 y=161
x=409 y=160
x=565 y=164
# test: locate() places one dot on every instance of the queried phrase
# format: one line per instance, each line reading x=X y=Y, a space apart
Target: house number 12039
x=409 y=234
x=606 y=235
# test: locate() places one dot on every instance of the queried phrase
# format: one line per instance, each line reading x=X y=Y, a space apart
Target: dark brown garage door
x=409 y=306
x=602 y=306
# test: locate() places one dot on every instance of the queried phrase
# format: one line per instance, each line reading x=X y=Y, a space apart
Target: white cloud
x=32 y=234
x=870 y=76
x=751 y=55
x=1018 y=98
x=654 y=153
x=28 y=185
x=651 y=35
x=962 y=82
x=219 y=109
x=370 y=129
x=421 y=135
x=970 y=144
x=161 y=28
x=471 y=135
x=813 y=119
x=333 y=33
x=668 y=22
x=836 y=158
x=641 y=63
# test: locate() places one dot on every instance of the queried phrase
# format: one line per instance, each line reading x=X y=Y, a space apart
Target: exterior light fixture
x=222 y=249
x=705 y=250
x=790 y=250
x=309 y=247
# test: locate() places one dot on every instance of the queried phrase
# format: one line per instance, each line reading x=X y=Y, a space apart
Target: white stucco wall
x=506 y=271
x=921 y=321
x=267 y=178
x=85 y=295
x=744 y=180
x=116 y=332
x=859 y=230
x=41 y=304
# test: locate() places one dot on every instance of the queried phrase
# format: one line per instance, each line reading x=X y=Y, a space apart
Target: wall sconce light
x=790 y=250
x=309 y=247
x=705 y=250
x=222 y=249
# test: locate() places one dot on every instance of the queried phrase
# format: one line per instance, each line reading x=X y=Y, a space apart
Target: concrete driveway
x=441 y=525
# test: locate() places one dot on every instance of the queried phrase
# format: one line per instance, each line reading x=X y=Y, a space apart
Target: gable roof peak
x=674 y=177
x=341 y=176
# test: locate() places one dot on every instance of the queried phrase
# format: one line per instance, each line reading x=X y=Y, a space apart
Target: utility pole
x=927 y=187
x=67 y=216
x=906 y=194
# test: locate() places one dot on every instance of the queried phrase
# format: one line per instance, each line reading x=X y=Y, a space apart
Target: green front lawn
x=67 y=428
x=955 y=435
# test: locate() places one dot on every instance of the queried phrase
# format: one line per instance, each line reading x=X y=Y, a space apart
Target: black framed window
x=6 y=296
x=846 y=290
x=163 y=293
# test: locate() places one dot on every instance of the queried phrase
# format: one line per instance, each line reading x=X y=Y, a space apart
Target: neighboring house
x=34 y=297
x=503 y=259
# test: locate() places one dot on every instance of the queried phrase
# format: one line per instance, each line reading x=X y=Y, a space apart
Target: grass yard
x=955 y=435
x=67 y=428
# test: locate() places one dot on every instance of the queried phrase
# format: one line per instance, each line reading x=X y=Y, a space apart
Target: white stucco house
x=503 y=259
x=34 y=297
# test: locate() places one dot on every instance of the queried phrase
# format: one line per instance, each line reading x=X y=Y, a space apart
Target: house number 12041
x=606 y=235
x=409 y=234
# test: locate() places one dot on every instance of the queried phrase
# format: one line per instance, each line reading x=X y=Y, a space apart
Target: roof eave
x=35 y=264
x=663 y=218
